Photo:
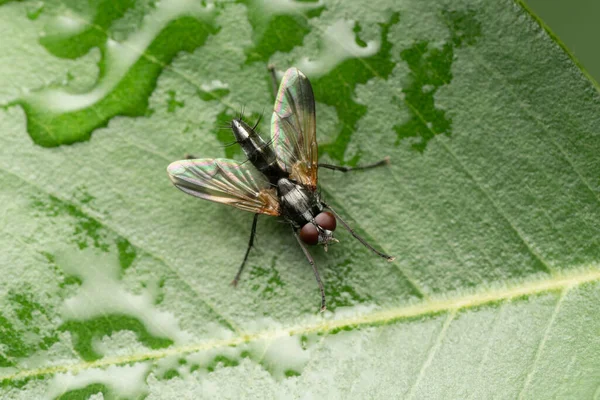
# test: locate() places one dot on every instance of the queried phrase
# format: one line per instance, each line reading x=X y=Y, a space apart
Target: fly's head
x=320 y=230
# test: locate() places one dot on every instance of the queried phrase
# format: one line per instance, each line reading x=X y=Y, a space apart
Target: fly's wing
x=225 y=181
x=293 y=128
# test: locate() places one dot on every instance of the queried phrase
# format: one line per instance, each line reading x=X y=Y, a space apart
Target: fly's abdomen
x=259 y=152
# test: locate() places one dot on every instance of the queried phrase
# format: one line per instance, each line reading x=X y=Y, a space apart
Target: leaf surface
x=116 y=283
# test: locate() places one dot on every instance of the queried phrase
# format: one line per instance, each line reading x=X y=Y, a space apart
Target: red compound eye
x=309 y=234
x=326 y=220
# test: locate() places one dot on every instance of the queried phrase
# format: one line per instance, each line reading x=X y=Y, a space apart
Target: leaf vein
x=380 y=317
x=432 y=352
x=543 y=341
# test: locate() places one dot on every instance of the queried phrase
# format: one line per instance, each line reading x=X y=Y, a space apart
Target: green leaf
x=116 y=283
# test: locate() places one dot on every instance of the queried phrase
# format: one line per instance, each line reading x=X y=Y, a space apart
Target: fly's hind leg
x=380 y=163
x=250 y=244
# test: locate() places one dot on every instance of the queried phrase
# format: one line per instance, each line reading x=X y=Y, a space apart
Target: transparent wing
x=293 y=128
x=225 y=181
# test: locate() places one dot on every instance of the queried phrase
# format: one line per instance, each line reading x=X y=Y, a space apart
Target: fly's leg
x=250 y=243
x=360 y=239
x=314 y=267
x=385 y=161
x=274 y=84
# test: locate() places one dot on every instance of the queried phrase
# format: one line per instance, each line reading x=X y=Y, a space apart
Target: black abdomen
x=259 y=153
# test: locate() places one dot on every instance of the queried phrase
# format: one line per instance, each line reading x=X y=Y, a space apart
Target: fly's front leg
x=385 y=161
x=314 y=267
x=356 y=236
x=250 y=243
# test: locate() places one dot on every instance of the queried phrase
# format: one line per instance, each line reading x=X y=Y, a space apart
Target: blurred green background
x=576 y=23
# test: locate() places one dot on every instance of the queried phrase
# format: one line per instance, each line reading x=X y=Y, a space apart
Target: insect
x=281 y=178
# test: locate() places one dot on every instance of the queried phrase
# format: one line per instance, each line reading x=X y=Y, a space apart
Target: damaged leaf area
x=115 y=285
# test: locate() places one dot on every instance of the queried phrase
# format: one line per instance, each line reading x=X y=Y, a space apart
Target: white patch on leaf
x=102 y=293
x=127 y=381
x=339 y=44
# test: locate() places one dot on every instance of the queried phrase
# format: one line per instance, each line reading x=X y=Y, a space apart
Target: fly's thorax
x=259 y=152
x=299 y=205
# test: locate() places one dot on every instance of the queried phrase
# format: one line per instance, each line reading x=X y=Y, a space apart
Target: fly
x=281 y=178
